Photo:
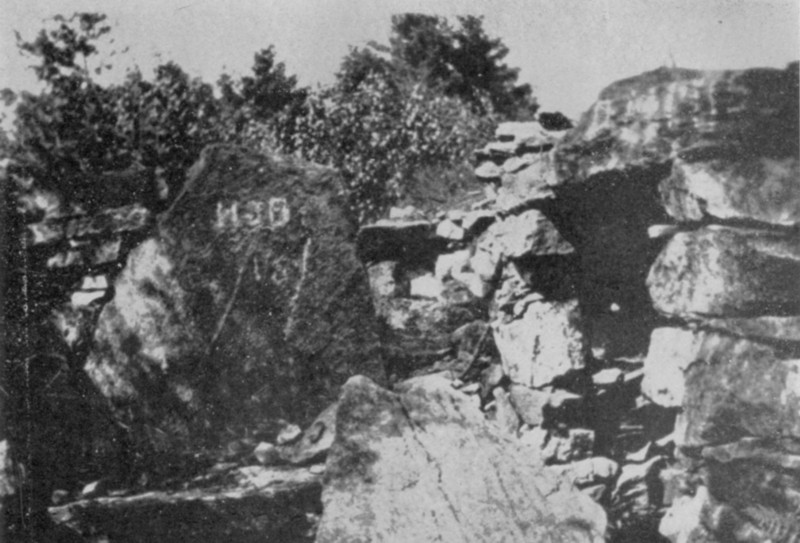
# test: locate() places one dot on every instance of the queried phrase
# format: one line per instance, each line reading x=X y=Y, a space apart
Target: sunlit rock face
x=249 y=302
x=424 y=465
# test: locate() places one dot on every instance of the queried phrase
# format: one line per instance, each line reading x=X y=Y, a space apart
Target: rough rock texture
x=250 y=300
x=693 y=114
x=733 y=272
x=544 y=344
x=762 y=189
x=529 y=233
x=252 y=504
x=425 y=466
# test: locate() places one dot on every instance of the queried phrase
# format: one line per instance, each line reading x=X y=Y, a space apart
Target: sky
x=567 y=50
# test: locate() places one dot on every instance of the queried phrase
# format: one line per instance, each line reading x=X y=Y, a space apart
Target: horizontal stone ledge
x=655 y=116
x=113 y=221
x=723 y=271
x=767 y=328
x=264 y=504
x=758 y=189
x=726 y=387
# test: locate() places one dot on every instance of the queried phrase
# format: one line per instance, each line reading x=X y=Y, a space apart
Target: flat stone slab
x=424 y=465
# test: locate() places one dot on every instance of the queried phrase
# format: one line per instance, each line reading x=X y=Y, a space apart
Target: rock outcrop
x=718 y=153
x=425 y=465
x=249 y=303
x=639 y=276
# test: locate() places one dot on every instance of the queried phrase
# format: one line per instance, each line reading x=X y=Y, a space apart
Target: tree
x=463 y=62
x=270 y=90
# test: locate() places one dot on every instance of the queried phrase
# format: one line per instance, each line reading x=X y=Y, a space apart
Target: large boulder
x=726 y=387
x=697 y=115
x=424 y=465
x=249 y=302
x=727 y=271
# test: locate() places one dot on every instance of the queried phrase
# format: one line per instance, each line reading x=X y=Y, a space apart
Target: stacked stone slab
x=719 y=152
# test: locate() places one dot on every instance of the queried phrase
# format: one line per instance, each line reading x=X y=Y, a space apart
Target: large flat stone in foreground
x=424 y=465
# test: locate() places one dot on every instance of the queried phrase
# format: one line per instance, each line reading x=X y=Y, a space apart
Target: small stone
x=485 y=264
x=317 y=469
x=528 y=403
x=449 y=230
x=576 y=445
x=289 y=433
x=382 y=279
x=59 y=496
x=488 y=170
x=514 y=164
x=405 y=213
x=662 y=230
x=683 y=522
x=426 y=286
x=95 y=489
x=589 y=471
x=559 y=397
x=266 y=454
x=505 y=415
x=472 y=388
x=449 y=264
x=477 y=286
x=606 y=377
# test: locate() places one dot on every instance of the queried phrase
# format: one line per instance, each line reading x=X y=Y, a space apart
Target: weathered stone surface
x=425 y=466
x=529 y=233
x=505 y=416
x=725 y=271
x=382 y=280
x=757 y=450
x=250 y=298
x=589 y=471
x=426 y=286
x=107 y=223
x=254 y=504
x=683 y=522
x=764 y=328
x=447 y=229
x=313 y=444
x=547 y=342
x=529 y=404
x=529 y=183
x=727 y=387
x=419 y=331
x=658 y=115
x=570 y=446
x=451 y=264
x=488 y=171
x=759 y=189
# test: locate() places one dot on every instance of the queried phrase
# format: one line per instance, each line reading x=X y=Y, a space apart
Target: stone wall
x=638 y=275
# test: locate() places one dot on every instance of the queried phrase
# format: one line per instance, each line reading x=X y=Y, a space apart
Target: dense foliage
x=419 y=102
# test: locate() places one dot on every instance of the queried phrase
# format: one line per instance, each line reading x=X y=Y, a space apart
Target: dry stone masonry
x=630 y=291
